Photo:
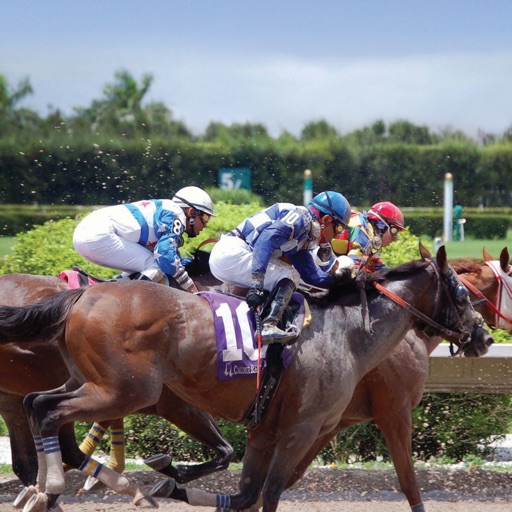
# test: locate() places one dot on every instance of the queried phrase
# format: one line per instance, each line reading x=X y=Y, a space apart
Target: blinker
x=461 y=294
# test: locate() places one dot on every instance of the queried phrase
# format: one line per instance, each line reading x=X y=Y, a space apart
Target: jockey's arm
x=270 y=239
x=170 y=262
x=308 y=270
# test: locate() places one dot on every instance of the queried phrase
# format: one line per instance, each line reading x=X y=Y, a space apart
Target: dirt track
x=321 y=490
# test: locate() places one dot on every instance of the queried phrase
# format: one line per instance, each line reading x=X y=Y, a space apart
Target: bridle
x=459 y=337
x=503 y=295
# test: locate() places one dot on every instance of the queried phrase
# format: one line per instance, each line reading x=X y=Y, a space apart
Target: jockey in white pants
x=144 y=237
x=249 y=256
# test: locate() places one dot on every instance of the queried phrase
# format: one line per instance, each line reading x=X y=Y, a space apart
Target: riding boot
x=270 y=332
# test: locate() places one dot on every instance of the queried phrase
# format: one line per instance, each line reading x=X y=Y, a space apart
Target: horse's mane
x=400 y=271
x=347 y=292
x=466 y=266
x=200 y=263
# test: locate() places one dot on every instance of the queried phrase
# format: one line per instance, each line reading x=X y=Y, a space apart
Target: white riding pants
x=96 y=239
x=231 y=263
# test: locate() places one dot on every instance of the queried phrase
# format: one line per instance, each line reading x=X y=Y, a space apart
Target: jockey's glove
x=344 y=264
x=186 y=261
x=345 y=269
x=255 y=297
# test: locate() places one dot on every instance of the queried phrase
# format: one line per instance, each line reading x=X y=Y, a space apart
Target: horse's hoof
x=37 y=503
x=144 y=501
x=24 y=496
x=163 y=489
x=158 y=462
x=89 y=483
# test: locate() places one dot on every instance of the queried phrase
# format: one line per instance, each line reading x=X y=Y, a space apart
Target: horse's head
x=470 y=333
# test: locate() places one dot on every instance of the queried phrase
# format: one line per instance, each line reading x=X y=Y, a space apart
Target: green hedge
x=109 y=171
x=479 y=226
x=489 y=224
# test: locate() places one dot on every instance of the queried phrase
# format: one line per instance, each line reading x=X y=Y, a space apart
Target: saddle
x=77 y=278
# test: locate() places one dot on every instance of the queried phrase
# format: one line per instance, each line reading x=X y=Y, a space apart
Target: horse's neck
x=393 y=321
x=430 y=342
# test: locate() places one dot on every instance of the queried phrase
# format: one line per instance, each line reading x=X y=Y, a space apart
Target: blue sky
x=282 y=63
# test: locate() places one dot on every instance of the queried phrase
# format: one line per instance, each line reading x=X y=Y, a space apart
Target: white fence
x=491 y=373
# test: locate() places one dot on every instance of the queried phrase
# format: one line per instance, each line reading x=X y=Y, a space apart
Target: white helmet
x=196 y=198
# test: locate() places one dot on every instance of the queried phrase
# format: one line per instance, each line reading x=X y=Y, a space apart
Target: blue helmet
x=333 y=204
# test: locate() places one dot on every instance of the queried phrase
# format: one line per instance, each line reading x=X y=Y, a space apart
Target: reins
x=459 y=338
x=212 y=240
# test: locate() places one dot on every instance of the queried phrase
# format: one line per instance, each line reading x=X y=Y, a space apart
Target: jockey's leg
x=271 y=333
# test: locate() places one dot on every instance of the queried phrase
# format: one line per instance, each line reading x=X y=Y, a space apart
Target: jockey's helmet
x=194 y=197
x=333 y=204
x=387 y=213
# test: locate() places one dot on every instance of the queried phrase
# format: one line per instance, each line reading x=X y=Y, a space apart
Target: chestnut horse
x=165 y=337
x=39 y=366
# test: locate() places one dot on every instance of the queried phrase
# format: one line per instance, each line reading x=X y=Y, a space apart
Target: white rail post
x=448 y=207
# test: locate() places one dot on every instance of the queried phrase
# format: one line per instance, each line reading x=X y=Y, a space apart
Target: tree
x=409 y=133
x=13 y=118
x=219 y=132
x=121 y=107
x=318 y=130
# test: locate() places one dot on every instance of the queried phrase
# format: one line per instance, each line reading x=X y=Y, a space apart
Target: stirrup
x=273 y=334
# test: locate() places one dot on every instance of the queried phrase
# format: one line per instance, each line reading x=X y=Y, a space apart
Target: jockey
x=250 y=255
x=368 y=233
x=144 y=237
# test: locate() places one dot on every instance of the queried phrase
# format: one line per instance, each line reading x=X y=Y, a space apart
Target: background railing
x=491 y=373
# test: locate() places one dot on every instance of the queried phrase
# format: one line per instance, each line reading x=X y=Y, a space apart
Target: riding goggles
x=205 y=218
x=393 y=230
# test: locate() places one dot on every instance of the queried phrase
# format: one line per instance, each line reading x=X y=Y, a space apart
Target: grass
x=473 y=248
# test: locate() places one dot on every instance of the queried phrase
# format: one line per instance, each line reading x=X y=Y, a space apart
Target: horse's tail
x=42 y=321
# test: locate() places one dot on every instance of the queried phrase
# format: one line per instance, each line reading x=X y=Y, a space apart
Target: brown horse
x=165 y=337
x=388 y=393
x=39 y=366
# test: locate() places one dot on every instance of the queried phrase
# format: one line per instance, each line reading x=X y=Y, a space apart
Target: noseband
x=460 y=337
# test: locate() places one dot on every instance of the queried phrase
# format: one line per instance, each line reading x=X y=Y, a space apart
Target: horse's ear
x=424 y=252
x=442 y=259
x=487 y=256
x=504 y=259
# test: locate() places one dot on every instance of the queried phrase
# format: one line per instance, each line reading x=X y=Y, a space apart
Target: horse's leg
x=117 y=446
x=117 y=451
x=23 y=452
x=117 y=459
x=28 y=494
x=294 y=444
x=198 y=425
x=310 y=456
x=53 y=410
x=397 y=430
x=267 y=467
x=257 y=458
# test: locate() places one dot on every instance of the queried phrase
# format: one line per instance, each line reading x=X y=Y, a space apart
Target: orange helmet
x=388 y=213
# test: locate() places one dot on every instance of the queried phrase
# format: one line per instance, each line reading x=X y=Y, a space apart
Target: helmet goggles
x=391 y=228
x=205 y=217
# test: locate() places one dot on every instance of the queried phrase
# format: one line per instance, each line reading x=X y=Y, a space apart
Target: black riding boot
x=270 y=332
